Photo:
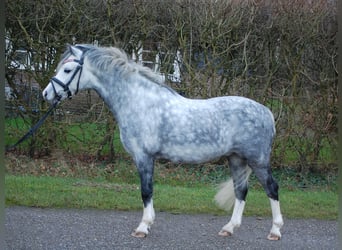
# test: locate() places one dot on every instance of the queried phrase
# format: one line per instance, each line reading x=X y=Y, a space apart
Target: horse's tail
x=225 y=197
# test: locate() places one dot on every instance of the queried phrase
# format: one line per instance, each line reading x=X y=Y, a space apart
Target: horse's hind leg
x=265 y=177
x=240 y=174
x=145 y=168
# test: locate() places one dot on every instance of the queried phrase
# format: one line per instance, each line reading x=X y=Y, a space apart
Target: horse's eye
x=67 y=70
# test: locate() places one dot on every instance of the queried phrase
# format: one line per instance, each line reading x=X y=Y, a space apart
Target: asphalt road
x=35 y=228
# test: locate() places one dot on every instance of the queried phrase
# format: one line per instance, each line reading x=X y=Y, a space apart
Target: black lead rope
x=34 y=128
x=65 y=88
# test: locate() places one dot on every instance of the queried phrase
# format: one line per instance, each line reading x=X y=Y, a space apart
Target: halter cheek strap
x=66 y=86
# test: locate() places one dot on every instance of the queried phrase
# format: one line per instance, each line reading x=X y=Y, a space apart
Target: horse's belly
x=192 y=153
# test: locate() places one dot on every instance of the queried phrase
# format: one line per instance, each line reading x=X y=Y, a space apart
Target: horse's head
x=66 y=82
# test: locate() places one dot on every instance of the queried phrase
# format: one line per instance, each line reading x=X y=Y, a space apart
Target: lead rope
x=66 y=88
x=34 y=128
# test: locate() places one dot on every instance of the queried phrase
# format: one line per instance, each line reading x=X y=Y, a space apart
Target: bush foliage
x=280 y=53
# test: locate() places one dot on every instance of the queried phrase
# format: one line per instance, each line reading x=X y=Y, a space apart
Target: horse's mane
x=111 y=59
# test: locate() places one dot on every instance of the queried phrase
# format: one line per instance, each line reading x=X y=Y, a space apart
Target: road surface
x=36 y=228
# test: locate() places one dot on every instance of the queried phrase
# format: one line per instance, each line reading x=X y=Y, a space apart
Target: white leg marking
x=235 y=221
x=277 y=221
x=146 y=221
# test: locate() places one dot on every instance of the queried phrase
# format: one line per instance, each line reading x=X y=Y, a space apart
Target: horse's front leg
x=145 y=168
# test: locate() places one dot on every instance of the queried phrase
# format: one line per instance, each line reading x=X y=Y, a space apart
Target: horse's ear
x=75 y=50
x=84 y=48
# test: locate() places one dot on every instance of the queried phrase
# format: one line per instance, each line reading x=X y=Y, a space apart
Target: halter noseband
x=66 y=86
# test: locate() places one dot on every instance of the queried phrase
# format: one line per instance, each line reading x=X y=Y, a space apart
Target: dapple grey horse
x=156 y=122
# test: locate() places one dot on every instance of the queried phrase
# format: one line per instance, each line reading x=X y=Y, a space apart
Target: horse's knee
x=272 y=188
x=241 y=192
x=145 y=169
x=240 y=173
x=266 y=179
x=146 y=193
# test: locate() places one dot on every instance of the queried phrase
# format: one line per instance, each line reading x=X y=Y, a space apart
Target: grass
x=45 y=191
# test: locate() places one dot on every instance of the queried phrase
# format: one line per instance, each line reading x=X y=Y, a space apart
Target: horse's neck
x=121 y=96
x=109 y=92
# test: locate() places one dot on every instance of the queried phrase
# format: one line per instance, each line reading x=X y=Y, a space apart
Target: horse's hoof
x=138 y=234
x=273 y=237
x=225 y=233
